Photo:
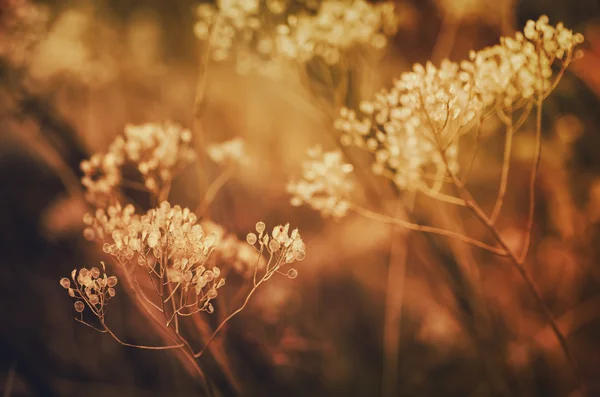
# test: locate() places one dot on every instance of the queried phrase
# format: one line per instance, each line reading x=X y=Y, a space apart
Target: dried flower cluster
x=166 y=241
x=261 y=36
x=157 y=151
x=228 y=152
x=282 y=246
x=233 y=251
x=91 y=288
x=324 y=185
x=410 y=126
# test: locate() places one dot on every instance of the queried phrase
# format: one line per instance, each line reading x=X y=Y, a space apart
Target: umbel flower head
x=263 y=36
x=91 y=287
x=156 y=150
x=410 y=126
x=165 y=239
x=324 y=185
x=284 y=247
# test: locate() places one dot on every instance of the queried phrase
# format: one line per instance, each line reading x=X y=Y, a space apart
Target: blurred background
x=374 y=310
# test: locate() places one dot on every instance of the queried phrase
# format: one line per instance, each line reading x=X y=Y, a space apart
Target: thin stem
x=214 y=188
x=393 y=307
x=138 y=346
x=427 y=229
x=445 y=39
x=232 y=315
x=475 y=150
x=89 y=325
x=518 y=265
x=505 y=169
x=560 y=74
x=442 y=197
x=534 y=172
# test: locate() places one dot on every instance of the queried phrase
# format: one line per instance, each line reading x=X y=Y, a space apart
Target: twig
x=214 y=188
x=393 y=308
x=505 y=169
x=138 y=346
x=427 y=229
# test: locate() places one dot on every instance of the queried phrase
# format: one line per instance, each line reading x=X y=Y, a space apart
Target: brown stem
x=505 y=170
x=115 y=337
x=232 y=315
x=518 y=265
x=428 y=229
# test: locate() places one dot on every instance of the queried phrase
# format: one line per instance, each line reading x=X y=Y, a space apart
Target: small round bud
x=111 y=292
x=65 y=282
x=274 y=245
x=251 y=238
x=209 y=275
x=88 y=219
x=211 y=294
x=88 y=233
x=260 y=227
x=95 y=272
x=94 y=300
x=79 y=306
x=112 y=281
x=106 y=248
x=300 y=255
x=292 y=273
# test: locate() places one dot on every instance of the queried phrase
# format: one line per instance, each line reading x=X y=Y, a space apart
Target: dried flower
x=265 y=38
x=324 y=184
x=283 y=246
x=167 y=236
x=91 y=286
x=157 y=150
x=408 y=127
x=228 y=152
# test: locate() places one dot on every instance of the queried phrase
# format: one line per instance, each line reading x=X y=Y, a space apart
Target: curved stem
x=442 y=197
x=505 y=170
x=518 y=265
x=138 y=346
x=232 y=315
x=214 y=188
x=533 y=178
x=428 y=229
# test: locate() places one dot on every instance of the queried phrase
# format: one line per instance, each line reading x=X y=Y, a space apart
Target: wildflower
x=157 y=150
x=283 y=246
x=167 y=236
x=91 y=286
x=228 y=152
x=413 y=129
x=324 y=184
x=264 y=39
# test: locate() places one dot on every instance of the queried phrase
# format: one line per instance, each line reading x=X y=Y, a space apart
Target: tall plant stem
x=232 y=315
x=505 y=170
x=393 y=308
x=518 y=263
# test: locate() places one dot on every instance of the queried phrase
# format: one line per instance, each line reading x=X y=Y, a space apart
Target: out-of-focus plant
x=414 y=130
x=167 y=245
x=263 y=36
x=22 y=25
